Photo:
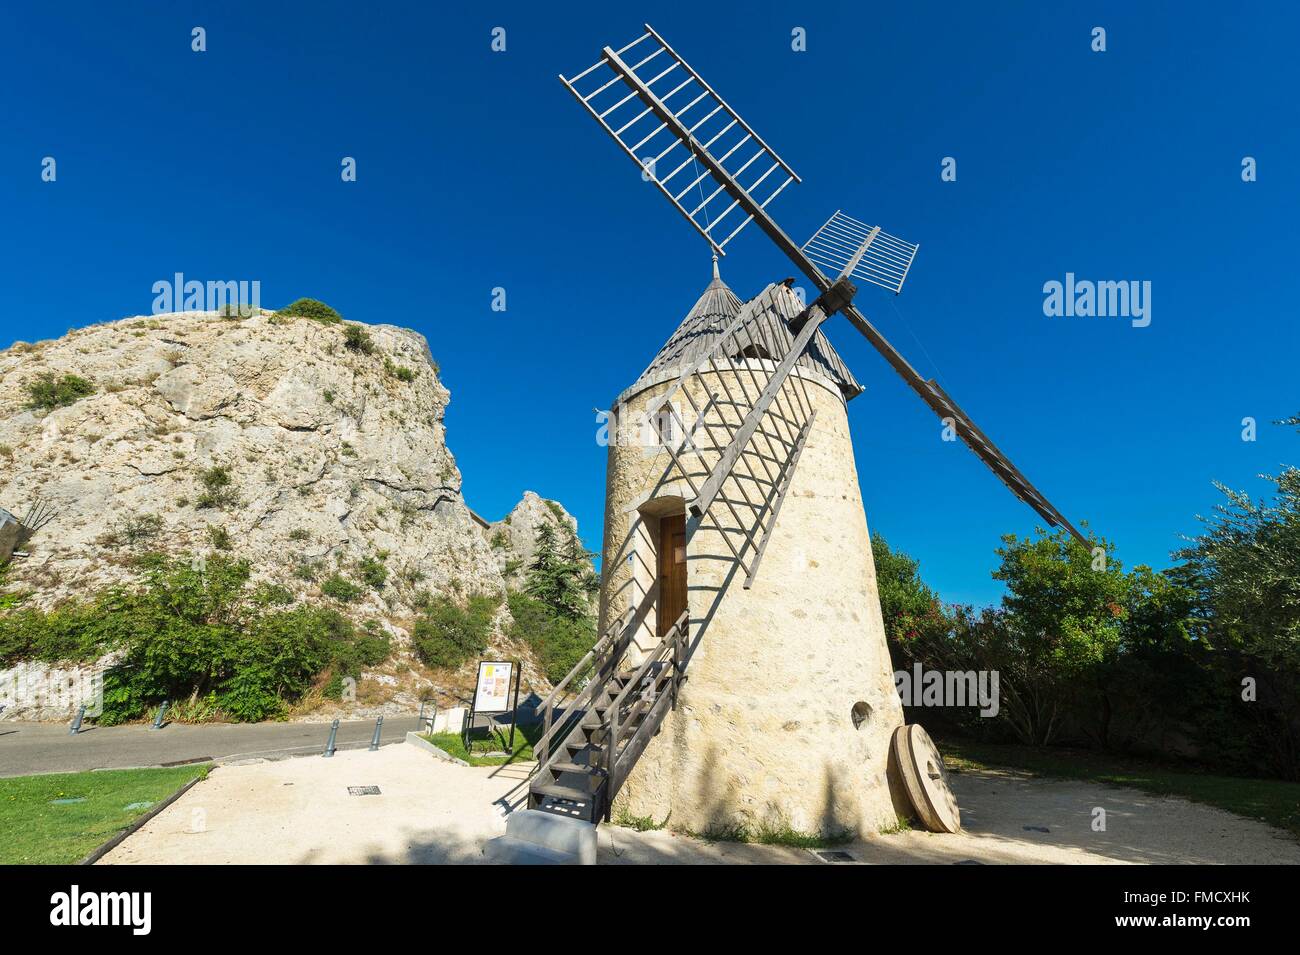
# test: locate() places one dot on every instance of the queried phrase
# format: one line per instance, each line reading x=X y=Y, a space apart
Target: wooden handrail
x=607 y=642
x=654 y=656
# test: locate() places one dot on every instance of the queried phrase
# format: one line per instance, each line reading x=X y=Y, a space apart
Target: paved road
x=47 y=748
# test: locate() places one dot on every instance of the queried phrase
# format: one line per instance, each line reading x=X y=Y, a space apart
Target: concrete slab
x=299 y=811
x=569 y=837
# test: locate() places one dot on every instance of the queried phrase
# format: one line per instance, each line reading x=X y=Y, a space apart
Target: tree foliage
x=447 y=635
x=1133 y=659
x=554 y=613
x=909 y=607
x=558 y=642
x=560 y=574
x=196 y=632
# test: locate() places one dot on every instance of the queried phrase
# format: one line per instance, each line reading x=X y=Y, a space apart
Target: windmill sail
x=862 y=252
x=666 y=118
x=629 y=91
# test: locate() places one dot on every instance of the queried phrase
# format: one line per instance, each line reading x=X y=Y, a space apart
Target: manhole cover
x=363 y=791
x=67 y=802
x=1036 y=829
x=132 y=806
x=834 y=855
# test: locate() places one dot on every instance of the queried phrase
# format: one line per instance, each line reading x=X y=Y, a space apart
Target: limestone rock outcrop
x=513 y=539
x=307 y=454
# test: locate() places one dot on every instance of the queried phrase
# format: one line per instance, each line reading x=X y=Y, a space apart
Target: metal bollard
x=76 y=723
x=334 y=732
x=158 y=720
x=374 y=740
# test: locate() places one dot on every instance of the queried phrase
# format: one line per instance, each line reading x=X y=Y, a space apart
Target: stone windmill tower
x=790 y=704
x=742 y=676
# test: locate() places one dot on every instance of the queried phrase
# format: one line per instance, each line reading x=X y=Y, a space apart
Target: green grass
x=639 y=823
x=901 y=824
x=37 y=832
x=482 y=743
x=1269 y=800
x=773 y=833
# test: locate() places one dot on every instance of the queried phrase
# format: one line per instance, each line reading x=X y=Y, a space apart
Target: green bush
x=8 y=600
x=49 y=391
x=132 y=529
x=447 y=635
x=218 y=488
x=373 y=572
x=72 y=633
x=558 y=642
x=341 y=589
x=311 y=308
x=400 y=372
x=368 y=647
x=1133 y=660
x=357 y=339
x=200 y=637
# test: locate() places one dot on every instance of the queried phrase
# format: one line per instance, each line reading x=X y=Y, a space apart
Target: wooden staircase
x=586 y=755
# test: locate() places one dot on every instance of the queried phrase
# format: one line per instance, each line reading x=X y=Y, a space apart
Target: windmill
x=780 y=683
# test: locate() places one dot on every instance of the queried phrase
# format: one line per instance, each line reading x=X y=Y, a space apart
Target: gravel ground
x=299 y=811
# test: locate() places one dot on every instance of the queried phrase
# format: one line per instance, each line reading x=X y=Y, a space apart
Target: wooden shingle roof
x=709 y=317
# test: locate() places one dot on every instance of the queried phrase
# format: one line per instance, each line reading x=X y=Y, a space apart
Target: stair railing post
x=611 y=750
x=677 y=662
x=546 y=733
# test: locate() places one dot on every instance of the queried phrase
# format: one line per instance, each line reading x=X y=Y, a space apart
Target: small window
x=666 y=427
x=860 y=713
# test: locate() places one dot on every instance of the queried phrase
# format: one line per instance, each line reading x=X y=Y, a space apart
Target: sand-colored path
x=299 y=811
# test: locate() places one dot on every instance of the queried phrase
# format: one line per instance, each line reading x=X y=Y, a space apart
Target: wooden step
x=558 y=791
x=563 y=767
x=662 y=684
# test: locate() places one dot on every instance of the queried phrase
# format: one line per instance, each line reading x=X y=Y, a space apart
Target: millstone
x=926 y=779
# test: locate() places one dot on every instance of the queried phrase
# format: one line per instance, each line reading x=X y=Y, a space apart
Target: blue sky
x=477 y=170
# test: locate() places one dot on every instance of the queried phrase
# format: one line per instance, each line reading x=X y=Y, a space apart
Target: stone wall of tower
x=789 y=706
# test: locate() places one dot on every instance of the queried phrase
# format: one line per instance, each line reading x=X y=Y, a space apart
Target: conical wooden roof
x=709 y=317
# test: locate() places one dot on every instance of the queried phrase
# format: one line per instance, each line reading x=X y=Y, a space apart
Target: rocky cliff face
x=308 y=455
x=514 y=538
x=311 y=451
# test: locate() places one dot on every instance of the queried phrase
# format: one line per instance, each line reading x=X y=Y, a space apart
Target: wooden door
x=672 y=570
